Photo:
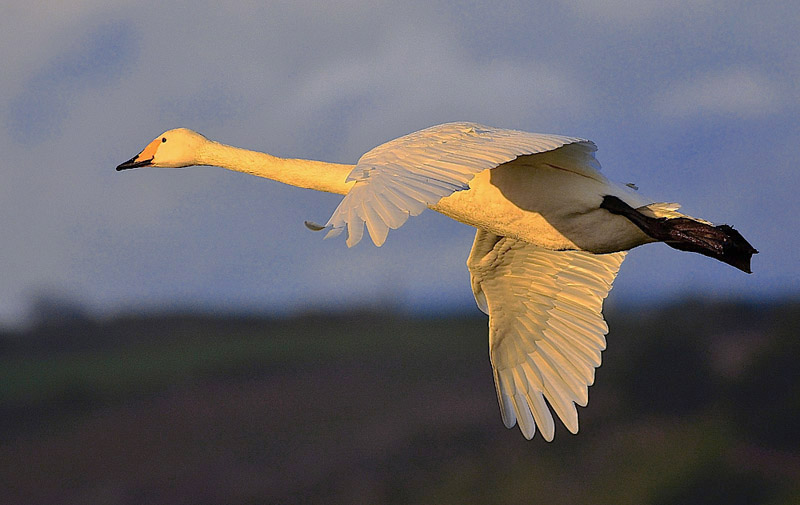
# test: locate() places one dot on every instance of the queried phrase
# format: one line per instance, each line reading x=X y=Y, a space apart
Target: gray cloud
x=101 y=58
x=733 y=92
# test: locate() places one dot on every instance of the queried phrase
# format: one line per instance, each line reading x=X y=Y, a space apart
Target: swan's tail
x=688 y=234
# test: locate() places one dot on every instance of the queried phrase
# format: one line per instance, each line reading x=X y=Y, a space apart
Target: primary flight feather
x=552 y=232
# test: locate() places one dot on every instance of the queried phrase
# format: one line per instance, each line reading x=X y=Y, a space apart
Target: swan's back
x=404 y=176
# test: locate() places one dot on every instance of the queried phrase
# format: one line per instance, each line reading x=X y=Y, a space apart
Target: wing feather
x=542 y=415
x=419 y=169
x=546 y=328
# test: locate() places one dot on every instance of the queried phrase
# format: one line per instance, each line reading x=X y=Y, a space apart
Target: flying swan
x=552 y=232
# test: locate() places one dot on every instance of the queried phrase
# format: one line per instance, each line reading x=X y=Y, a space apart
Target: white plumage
x=403 y=177
x=552 y=232
x=546 y=329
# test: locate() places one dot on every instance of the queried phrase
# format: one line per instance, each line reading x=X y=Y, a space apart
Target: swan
x=552 y=232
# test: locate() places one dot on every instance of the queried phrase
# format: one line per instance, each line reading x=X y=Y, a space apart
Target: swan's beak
x=143 y=159
x=134 y=162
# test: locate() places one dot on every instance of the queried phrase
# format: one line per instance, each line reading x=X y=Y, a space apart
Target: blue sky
x=696 y=102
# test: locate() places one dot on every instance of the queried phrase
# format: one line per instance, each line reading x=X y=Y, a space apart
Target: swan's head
x=172 y=149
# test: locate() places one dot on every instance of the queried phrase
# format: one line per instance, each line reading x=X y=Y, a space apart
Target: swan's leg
x=720 y=242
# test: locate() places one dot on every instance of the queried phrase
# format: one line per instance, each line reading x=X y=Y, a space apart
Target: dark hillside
x=695 y=403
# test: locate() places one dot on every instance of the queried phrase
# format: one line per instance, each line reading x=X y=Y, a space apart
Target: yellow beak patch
x=150 y=151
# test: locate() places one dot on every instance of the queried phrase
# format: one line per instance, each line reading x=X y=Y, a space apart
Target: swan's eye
x=163 y=139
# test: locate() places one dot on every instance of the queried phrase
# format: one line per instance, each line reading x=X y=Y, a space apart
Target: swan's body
x=552 y=233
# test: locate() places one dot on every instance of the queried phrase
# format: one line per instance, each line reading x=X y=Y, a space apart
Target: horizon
x=54 y=310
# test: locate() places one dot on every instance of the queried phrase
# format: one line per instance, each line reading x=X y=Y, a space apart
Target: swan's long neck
x=318 y=175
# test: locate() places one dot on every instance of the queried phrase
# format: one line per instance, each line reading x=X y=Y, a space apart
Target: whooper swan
x=552 y=232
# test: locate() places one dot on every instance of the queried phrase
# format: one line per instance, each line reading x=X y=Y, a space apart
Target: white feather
x=551 y=351
x=419 y=169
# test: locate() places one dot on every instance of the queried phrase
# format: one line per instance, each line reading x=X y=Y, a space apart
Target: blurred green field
x=695 y=403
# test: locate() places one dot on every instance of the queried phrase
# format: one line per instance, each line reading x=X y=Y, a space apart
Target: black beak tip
x=132 y=163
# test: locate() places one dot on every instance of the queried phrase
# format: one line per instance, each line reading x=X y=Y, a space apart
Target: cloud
x=624 y=12
x=39 y=111
x=738 y=92
x=214 y=103
x=428 y=79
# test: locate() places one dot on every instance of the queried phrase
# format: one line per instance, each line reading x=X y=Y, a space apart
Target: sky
x=695 y=102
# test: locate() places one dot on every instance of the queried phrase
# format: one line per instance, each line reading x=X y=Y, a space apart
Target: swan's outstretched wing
x=546 y=329
x=402 y=177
